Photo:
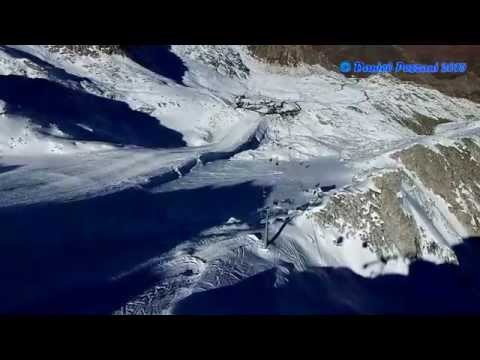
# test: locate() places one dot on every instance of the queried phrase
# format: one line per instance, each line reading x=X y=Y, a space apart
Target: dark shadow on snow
x=251 y=144
x=287 y=221
x=48 y=103
x=4 y=169
x=61 y=257
x=253 y=296
x=328 y=188
x=159 y=59
x=429 y=289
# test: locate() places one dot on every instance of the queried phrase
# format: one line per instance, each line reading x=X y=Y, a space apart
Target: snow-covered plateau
x=138 y=182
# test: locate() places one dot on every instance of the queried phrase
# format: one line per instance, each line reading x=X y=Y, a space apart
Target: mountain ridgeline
x=329 y=56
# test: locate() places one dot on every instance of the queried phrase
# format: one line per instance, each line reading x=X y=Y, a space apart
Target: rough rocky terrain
x=329 y=56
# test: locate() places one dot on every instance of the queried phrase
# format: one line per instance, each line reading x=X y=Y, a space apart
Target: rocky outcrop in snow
x=268 y=107
x=223 y=59
x=87 y=50
x=418 y=210
x=375 y=217
x=453 y=173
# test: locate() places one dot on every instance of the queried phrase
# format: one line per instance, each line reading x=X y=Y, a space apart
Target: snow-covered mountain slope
x=199 y=115
x=365 y=174
x=337 y=116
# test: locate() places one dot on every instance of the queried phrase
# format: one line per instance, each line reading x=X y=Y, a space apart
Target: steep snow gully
x=138 y=183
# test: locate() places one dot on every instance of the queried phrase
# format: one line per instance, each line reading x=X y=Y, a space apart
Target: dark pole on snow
x=267 y=213
x=266 y=227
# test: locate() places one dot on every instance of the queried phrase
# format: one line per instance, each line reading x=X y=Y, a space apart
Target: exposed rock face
x=452 y=173
x=291 y=55
x=422 y=125
x=458 y=85
x=376 y=216
x=222 y=58
x=90 y=50
x=387 y=216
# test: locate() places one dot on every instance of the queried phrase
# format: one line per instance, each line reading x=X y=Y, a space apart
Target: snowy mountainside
x=369 y=113
x=367 y=174
x=338 y=115
x=199 y=115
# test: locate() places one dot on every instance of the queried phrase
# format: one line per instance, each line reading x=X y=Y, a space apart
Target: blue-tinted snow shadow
x=7 y=168
x=83 y=116
x=159 y=59
x=429 y=289
x=60 y=258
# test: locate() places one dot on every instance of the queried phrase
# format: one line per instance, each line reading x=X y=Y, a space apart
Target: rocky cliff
x=88 y=50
